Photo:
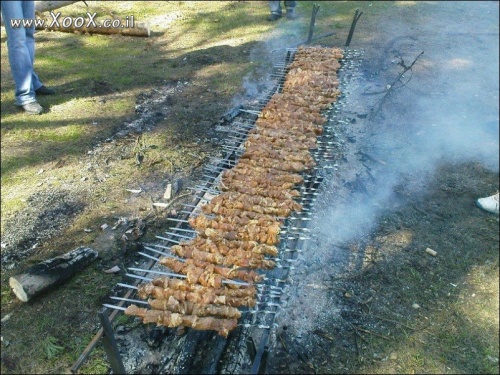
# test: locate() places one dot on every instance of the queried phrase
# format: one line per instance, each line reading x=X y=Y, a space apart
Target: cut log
x=129 y=31
x=43 y=6
x=50 y=273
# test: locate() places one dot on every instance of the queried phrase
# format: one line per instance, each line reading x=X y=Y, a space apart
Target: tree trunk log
x=42 y=6
x=130 y=31
x=50 y=273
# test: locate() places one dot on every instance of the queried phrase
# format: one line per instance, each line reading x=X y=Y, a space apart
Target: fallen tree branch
x=43 y=6
x=130 y=31
x=50 y=273
x=392 y=86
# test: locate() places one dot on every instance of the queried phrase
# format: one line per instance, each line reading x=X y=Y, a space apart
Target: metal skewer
x=184 y=230
x=179 y=235
x=225 y=281
x=129 y=300
x=168 y=239
x=127 y=286
x=114 y=307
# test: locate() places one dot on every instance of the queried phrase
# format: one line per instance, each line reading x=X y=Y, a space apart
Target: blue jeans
x=275 y=6
x=21 y=46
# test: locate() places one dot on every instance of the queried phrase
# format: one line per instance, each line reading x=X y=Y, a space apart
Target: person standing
x=21 y=49
x=276 y=13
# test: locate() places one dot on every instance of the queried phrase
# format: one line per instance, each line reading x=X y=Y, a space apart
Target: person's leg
x=29 y=13
x=275 y=8
x=21 y=64
x=290 y=9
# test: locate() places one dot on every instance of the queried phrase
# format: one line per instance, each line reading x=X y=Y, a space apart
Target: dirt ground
x=399 y=190
x=416 y=153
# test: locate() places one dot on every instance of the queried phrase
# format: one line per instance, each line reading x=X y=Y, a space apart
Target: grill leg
x=110 y=346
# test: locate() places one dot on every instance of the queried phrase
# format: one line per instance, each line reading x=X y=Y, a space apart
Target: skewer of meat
x=319 y=120
x=253 y=181
x=256 y=139
x=169 y=319
x=238 y=200
x=194 y=269
x=293 y=155
x=230 y=223
x=304 y=52
x=235 y=257
x=268 y=236
x=229 y=209
x=158 y=292
x=229 y=290
x=225 y=246
x=284 y=133
x=284 y=165
x=295 y=126
x=299 y=100
x=193 y=308
x=241 y=187
x=264 y=173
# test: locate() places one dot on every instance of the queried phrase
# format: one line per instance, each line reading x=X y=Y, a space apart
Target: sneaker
x=32 y=108
x=291 y=15
x=274 y=17
x=44 y=90
x=489 y=204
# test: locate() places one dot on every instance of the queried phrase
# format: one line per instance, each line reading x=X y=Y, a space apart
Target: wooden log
x=129 y=31
x=50 y=273
x=43 y=6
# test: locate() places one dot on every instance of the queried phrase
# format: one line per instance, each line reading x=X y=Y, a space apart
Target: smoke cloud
x=444 y=111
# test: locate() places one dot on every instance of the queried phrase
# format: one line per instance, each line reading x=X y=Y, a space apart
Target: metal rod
x=149 y=256
x=177 y=220
x=167 y=239
x=184 y=230
x=127 y=286
x=176 y=275
x=155 y=251
x=259 y=312
x=353 y=26
x=251 y=112
x=313 y=21
x=110 y=345
x=129 y=300
x=179 y=235
x=116 y=308
x=139 y=277
x=248 y=325
x=160 y=246
x=165 y=255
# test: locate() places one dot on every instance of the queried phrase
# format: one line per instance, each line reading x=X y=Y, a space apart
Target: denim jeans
x=21 y=46
x=275 y=6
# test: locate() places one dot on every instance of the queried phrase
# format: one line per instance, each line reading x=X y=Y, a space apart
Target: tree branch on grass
x=392 y=86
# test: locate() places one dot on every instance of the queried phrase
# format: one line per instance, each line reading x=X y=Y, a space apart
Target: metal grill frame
x=257 y=326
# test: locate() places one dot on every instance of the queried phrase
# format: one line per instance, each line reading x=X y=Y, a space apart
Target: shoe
x=274 y=17
x=291 y=15
x=489 y=204
x=32 y=108
x=44 y=90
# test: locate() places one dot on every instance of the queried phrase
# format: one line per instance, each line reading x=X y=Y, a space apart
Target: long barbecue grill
x=245 y=348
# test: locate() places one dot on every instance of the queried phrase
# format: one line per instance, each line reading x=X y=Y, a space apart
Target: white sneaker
x=489 y=204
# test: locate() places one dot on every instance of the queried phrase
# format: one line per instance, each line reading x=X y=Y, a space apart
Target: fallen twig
x=391 y=86
x=371 y=332
x=387 y=320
